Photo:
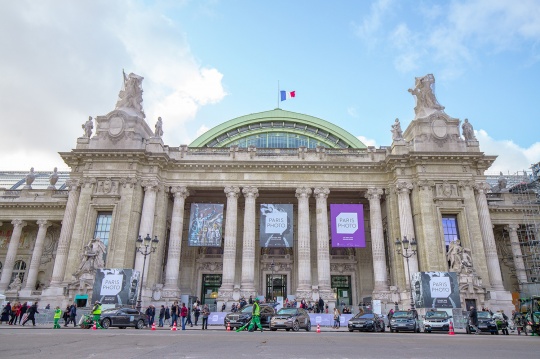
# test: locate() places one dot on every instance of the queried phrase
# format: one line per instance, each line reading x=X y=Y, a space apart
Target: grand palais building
x=270 y=204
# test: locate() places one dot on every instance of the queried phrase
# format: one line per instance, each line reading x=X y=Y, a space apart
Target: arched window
x=19 y=269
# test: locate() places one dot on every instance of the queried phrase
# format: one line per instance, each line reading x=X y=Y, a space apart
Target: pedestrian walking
x=73 y=314
x=6 y=312
x=96 y=314
x=183 y=314
x=65 y=315
x=504 y=325
x=255 y=316
x=151 y=313
x=22 y=312
x=167 y=315
x=161 y=315
x=175 y=313
x=32 y=311
x=473 y=319
x=15 y=310
x=196 y=314
x=336 y=318
x=205 y=315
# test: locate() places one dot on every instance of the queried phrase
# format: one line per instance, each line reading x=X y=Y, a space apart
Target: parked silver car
x=291 y=318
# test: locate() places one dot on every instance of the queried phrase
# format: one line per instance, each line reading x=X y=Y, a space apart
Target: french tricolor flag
x=285 y=95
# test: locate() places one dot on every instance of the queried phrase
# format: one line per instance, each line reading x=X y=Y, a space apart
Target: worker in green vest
x=96 y=313
x=57 y=316
x=256 y=316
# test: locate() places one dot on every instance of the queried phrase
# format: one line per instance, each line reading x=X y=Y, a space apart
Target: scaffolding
x=527 y=200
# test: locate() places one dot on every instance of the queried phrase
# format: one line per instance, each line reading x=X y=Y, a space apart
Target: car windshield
x=286 y=311
x=484 y=315
x=365 y=316
x=403 y=315
x=247 y=309
x=436 y=315
x=110 y=310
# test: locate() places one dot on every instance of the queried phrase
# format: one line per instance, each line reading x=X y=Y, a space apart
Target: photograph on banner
x=115 y=286
x=276 y=225
x=206 y=225
x=347 y=222
x=436 y=290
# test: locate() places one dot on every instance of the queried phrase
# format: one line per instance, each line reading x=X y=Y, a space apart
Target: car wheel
x=295 y=326
x=308 y=327
x=106 y=323
x=140 y=324
x=288 y=329
x=351 y=330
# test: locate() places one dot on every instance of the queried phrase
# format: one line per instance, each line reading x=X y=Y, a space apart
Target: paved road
x=17 y=342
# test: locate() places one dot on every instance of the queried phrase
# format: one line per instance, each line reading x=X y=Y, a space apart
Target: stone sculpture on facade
x=92 y=257
x=501 y=185
x=16 y=285
x=426 y=102
x=53 y=178
x=159 y=128
x=30 y=177
x=87 y=127
x=468 y=131
x=460 y=258
x=130 y=97
x=397 y=133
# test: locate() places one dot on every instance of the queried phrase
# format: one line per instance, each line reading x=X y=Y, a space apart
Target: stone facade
x=148 y=187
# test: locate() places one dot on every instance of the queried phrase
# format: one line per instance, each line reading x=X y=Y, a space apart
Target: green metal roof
x=277 y=120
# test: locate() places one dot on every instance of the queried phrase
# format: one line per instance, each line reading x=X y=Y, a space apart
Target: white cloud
x=511 y=157
x=62 y=61
x=370 y=26
x=352 y=111
x=367 y=141
x=202 y=130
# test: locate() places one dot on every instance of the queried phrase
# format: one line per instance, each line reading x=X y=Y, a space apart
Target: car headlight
x=289 y=319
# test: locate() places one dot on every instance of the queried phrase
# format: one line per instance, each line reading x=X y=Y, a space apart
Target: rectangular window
x=450 y=229
x=103 y=229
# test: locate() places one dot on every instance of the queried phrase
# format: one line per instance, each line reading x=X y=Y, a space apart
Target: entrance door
x=341 y=285
x=276 y=286
x=210 y=286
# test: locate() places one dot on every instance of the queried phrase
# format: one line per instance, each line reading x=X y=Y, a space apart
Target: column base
x=500 y=299
x=385 y=296
x=306 y=294
x=53 y=295
x=247 y=292
x=25 y=293
x=170 y=293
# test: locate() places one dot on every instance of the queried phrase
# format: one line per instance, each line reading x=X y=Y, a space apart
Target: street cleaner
x=255 y=318
x=57 y=316
x=96 y=314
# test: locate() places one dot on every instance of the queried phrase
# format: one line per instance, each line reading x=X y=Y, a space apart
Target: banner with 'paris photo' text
x=347 y=222
x=276 y=225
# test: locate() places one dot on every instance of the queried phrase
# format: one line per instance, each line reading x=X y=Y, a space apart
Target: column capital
x=232 y=191
x=425 y=185
x=250 y=191
x=43 y=223
x=73 y=184
x=374 y=193
x=88 y=182
x=18 y=223
x=512 y=227
x=303 y=192
x=321 y=192
x=404 y=187
x=467 y=184
x=482 y=187
x=180 y=191
x=150 y=185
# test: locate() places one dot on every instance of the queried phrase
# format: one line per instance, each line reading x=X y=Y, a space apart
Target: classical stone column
x=229 y=247
x=170 y=289
x=486 y=227
x=517 y=254
x=247 y=286
x=377 y=240
x=36 y=255
x=323 y=250
x=7 y=270
x=65 y=238
x=147 y=219
x=406 y=222
x=304 y=260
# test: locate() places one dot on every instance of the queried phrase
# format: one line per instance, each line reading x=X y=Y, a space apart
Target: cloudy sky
x=208 y=61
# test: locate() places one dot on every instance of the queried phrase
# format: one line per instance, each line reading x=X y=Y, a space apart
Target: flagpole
x=278 y=94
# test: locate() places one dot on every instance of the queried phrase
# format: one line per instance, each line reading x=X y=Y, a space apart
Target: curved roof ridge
x=278 y=114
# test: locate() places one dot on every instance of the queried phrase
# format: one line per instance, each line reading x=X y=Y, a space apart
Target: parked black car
x=366 y=322
x=122 y=318
x=405 y=321
x=291 y=318
x=486 y=323
x=238 y=319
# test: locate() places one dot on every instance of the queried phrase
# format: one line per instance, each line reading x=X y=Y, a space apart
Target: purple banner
x=347 y=225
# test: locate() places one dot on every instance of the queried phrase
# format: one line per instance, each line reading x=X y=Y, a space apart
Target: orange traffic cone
x=228 y=327
x=153 y=326
x=318 y=328
x=94 y=327
x=451 y=329
x=174 y=327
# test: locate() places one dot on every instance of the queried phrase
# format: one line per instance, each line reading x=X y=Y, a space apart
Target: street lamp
x=145 y=247
x=407 y=253
x=272 y=265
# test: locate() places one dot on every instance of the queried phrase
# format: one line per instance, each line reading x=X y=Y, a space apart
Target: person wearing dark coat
x=473 y=319
x=24 y=309
x=161 y=315
x=6 y=312
x=31 y=314
x=65 y=316
x=321 y=305
x=151 y=313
